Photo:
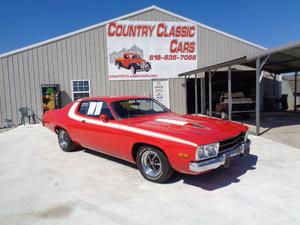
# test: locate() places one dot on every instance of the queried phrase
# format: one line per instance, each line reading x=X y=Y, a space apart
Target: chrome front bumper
x=221 y=160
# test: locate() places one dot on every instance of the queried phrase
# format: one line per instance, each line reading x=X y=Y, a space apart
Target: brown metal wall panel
x=65 y=62
x=87 y=47
x=12 y=80
x=33 y=82
x=45 y=65
x=91 y=61
x=27 y=79
x=70 y=69
x=2 y=97
x=19 y=84
x=77 y=52
x=7 y=89
x=55 y=72
x=49 y=64
x=40 y=65
x=38 y=95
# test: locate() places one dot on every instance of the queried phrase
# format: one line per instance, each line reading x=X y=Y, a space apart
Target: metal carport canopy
x=283 y=59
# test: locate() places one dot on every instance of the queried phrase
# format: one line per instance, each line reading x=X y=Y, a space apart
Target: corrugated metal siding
x=84 y=56
x=2 y=95
x=215 y=47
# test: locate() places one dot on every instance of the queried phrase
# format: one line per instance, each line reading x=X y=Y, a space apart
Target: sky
x=268 y=23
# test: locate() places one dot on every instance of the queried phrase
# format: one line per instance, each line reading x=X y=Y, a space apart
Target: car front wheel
x=153 y=164
x=65 y=142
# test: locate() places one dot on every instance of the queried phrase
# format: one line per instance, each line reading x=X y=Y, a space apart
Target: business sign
x=160 y=91
x=149 y=50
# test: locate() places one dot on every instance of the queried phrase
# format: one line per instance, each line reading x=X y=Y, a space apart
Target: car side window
x=95 y=109
x=105 y=110
x=84 y=108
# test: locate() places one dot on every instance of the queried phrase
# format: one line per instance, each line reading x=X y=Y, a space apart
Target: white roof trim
x=120 y=18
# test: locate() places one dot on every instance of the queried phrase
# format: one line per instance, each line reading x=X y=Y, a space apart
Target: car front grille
x=231 y=143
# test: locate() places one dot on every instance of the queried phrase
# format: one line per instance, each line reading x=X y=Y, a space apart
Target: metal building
x=82 y=56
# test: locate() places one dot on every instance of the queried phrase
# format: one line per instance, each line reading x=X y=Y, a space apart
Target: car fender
x=179 y=155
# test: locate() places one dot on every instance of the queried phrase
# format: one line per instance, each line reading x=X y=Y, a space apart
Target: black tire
x=165 y=171
x=118 y=65
x=64 y=141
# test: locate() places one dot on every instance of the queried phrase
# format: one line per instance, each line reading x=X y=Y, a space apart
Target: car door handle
x=83 y=121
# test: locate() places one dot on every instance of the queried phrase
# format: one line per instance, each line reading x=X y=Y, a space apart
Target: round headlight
x=200 y=152
x=211 y=151
x=207 y=151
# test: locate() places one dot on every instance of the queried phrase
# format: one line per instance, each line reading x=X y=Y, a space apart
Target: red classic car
x=143 y=131
x=133 y=62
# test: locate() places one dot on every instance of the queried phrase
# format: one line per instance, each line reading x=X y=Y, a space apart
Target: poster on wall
x=51 y=97
x=149 y=49
x=160 y=91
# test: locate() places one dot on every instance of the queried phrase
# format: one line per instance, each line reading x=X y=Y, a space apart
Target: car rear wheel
x=153 y=164
x=133 y=70
x=65 y=142
x=118 y=66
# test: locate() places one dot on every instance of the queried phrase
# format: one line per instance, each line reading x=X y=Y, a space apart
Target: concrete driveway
x=283 y=127
x=40 y=184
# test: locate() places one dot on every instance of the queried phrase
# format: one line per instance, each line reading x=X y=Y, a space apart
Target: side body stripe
x=132 y=129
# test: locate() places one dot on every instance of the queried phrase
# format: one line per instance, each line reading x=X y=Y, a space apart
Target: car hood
x=198 y=129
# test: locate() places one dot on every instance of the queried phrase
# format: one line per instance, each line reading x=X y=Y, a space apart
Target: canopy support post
x=274 y=87
x=209 y=93
x=202 y=80
x=186 y=101
x=295 y=93
x=196 y=95
x=257 y=108
x=229 y=94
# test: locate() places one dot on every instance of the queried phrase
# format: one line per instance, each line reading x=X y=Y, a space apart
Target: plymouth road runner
x=143 y=131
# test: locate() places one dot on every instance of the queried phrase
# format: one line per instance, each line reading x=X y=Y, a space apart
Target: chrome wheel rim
x=151 y=163
x=63 y=139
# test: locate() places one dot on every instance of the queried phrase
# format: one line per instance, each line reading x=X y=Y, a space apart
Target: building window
x=80 y=89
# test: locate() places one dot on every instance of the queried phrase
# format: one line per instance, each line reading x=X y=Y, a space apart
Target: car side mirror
x=104 y=117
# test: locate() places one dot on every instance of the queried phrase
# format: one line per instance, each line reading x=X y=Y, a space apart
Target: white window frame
x=76 y=92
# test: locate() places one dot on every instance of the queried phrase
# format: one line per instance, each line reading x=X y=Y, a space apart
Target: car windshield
x=137 y=107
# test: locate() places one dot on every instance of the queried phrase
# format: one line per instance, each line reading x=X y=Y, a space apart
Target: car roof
x=110 y=99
